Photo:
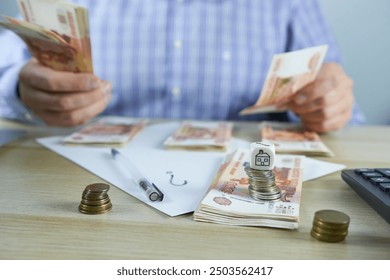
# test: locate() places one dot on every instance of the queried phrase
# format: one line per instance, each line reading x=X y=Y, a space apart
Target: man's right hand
x=62 y=98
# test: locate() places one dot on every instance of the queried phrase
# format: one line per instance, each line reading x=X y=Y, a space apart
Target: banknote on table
x=288 y=73
x=107 y=131
x=292 y=138
x=56 y=33
x=228 y=201
x=198 y=135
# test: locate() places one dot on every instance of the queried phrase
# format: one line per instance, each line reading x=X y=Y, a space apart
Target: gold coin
x=97 y=188
x=330 y=231
x=331 y=218
x=330 y=227
x=327 y=237
x=95 y=209
x=94 y=213
x=95 y=202
x=95 y=197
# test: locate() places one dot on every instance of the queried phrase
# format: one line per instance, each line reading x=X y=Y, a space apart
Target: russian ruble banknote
x=291 y=138
x=56 y=33
x=198 y=135
x=107 y=131
x=289 y=72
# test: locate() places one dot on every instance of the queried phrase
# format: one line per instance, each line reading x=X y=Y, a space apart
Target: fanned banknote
x=107 y=131
x=292 y=138
x=228 y=201
x=289 y=72
x=198 y=135
x=56 y=33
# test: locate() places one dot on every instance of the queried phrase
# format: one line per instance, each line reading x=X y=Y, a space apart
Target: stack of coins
x=330 y=226
x=262 y=184
x=95 y=199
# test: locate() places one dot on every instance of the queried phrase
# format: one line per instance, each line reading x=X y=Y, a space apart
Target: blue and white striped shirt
x=188 y=59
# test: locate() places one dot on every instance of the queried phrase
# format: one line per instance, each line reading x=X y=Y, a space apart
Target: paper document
x=183 y=176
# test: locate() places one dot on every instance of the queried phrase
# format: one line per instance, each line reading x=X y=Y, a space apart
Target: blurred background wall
x=361 y=30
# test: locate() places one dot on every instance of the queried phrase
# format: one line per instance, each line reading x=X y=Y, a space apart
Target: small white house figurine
x=262 y=156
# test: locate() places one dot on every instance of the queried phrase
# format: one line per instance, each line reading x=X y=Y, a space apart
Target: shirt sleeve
x=13 y=56
x=309 y=27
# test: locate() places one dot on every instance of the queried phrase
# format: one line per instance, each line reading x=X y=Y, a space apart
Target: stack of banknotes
x=107 y=131
x=56 y=33
x=198 y=135
x=293 y=139
x=228 y=201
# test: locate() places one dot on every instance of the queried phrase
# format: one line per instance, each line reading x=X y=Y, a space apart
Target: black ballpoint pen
x=153 y=193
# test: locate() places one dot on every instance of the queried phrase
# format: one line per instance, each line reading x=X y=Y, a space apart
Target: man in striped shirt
x=180 y=59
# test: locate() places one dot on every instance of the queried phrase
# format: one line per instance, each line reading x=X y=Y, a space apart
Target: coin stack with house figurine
x=262 y=184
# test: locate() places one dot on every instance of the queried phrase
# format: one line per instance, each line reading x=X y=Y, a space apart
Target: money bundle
x=56 y=33
x=228 y=200
x=262 y=185
x=330 y=226
x=95 y=199
x=201 y=136
x=290 y=138
x=106 y=131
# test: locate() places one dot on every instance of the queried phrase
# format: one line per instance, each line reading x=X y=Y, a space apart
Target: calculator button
x=385 y=187
x=384 y=171
x=361 y=170
x=378 y=180
x=368 y=175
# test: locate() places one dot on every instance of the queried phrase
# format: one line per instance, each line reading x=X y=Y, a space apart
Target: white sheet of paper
x=168 y=169
x=314 y=168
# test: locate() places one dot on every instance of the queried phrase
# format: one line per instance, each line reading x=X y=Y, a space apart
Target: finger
x=41 y=101
x=329 y=124
x=329 y=99
x=75 y=117
x=314 y=91
x=329 y=111
x=41 y=77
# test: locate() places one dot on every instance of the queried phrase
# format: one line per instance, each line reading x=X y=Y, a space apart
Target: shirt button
x=177 y=44
x=176 y=91
x=226 y=55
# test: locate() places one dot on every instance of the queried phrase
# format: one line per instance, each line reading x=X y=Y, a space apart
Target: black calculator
x=373 y=186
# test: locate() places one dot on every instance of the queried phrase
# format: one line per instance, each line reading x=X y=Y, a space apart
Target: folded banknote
x=289 y=72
